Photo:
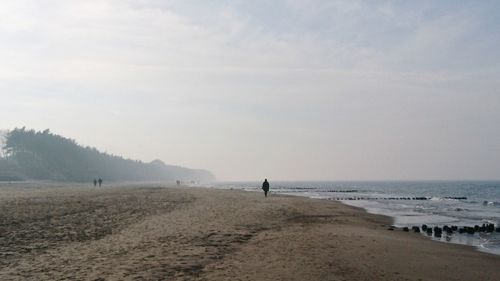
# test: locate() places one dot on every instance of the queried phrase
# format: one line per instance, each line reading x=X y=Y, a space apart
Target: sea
x=410 y=203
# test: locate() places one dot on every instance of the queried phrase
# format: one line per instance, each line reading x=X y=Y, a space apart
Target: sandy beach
x=172 y=233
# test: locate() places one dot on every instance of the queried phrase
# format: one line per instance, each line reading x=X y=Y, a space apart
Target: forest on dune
x=42 y=155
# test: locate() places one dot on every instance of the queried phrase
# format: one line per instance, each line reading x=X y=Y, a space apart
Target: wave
x=491 y=203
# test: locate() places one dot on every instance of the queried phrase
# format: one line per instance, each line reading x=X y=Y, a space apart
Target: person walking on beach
x=95 y=182
x=100 y=182
x=265 y=187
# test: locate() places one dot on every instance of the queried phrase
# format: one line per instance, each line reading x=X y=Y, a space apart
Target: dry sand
x=153 y=233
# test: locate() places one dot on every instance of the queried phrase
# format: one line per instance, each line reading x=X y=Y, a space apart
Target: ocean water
x=464 y=203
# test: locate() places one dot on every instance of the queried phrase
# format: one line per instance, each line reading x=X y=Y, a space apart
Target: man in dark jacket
x=265 y=187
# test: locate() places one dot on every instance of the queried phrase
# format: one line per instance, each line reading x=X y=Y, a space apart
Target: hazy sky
x=284 y=89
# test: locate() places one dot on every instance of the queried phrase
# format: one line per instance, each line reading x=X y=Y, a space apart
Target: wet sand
x=156 y=233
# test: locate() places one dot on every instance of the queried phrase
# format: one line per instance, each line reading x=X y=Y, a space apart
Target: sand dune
x=155 y=233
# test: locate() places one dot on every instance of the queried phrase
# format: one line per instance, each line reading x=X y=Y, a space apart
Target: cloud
x=318 y=86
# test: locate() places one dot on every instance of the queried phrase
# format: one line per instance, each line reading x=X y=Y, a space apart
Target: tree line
x=42 y=155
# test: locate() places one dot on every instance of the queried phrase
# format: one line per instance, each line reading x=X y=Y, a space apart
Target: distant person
x=265 y=187
x=95 y=182
x=100 y=182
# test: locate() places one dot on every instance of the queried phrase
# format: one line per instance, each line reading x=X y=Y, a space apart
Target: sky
x=283 y=89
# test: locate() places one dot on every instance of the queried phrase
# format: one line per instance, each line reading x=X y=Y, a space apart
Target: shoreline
x=188 y=233
x=458 y=235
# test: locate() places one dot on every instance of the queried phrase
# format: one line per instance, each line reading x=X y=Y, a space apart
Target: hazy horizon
x=285 y=90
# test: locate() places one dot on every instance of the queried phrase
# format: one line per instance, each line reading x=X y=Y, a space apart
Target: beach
x=75 y=232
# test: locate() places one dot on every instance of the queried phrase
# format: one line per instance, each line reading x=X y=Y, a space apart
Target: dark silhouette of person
x=95 y=182
x=265 y=187
x=100 y=182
